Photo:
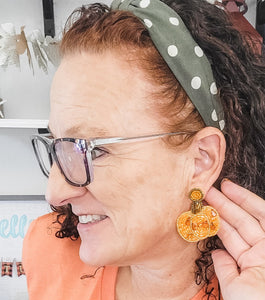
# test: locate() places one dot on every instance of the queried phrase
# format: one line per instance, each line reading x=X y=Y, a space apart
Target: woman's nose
x=59 y=192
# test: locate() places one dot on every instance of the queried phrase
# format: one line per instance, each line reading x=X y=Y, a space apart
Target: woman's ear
x=208 y=148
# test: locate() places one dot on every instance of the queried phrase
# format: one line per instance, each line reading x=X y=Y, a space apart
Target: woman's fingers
x=225 y=267
x=247 y=226
x=243 y=235
x=244 y=284
x=247 y=200
x=232 y=240
x=245 y=255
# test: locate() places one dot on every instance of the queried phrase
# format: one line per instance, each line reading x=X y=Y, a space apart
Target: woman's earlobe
x=209 y=153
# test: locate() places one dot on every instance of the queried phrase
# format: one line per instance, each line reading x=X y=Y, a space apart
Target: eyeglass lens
x=72 y=160
x=70 y=157
x=43 y=155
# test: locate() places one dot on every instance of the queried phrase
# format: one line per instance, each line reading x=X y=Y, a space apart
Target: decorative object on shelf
x=44 y=49
x=8 y=45
x=6 y=269
x=13 y=45
x=2 y=108
x=12 y=269
x=22 y=46
x=20 y=269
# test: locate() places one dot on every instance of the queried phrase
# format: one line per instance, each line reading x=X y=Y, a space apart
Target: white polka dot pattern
x=174 y=21
x=213 y=88
x=214 y=115
x=185 y=58
x=222 y=124
x=148 y=23
x=144 y=3
x=196 y=82
x=198 y=51
x=172 y=50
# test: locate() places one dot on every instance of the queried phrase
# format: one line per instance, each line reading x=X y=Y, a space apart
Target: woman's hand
x=241 y=268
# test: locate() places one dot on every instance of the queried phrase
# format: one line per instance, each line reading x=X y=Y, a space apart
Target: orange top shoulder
x=55 y=271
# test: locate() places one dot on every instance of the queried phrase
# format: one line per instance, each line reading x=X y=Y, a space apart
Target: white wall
x=19 y=170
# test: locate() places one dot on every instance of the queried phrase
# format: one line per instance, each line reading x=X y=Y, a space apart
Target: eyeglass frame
x=88 y=145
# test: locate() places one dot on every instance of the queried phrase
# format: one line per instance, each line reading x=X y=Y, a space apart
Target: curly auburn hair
x=239 y=72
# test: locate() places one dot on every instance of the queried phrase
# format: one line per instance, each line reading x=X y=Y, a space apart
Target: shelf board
x=21 y=197
x=23 y=123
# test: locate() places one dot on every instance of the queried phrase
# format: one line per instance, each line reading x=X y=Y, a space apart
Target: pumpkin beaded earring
x=200 y=222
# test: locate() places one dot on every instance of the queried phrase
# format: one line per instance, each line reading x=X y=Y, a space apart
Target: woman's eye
x=97 y=152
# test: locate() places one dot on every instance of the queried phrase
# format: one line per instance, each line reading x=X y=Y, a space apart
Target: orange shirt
x=55 y=271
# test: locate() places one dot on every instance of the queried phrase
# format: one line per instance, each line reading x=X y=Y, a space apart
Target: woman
x=145 y=122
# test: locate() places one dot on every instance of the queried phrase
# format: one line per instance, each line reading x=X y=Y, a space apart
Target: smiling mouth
x=85 y=219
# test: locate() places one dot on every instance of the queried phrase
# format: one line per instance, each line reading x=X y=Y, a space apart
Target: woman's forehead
x=100 y=91
x=84 y=79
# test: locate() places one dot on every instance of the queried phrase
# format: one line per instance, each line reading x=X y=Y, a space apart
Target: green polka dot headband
x=182 y=54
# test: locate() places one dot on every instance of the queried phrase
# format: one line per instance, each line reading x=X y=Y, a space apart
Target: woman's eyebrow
x=83 y=131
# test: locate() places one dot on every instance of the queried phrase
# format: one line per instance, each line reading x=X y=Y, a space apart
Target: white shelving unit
x=20 y=176
x=23 y=123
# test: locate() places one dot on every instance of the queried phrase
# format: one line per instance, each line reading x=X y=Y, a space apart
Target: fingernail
x=225 y=179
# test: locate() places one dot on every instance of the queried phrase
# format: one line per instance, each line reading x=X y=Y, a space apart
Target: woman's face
x=141 y=187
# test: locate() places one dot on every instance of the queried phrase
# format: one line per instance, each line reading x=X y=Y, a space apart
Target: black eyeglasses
x=74 y=156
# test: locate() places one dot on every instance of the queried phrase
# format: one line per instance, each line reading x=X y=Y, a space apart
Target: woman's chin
x=95 y=242
x=90 y=256
x=95 y=256
x=97 y=250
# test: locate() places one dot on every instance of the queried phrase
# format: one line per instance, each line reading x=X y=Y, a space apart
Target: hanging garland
x=1 y=108
x=12 y=45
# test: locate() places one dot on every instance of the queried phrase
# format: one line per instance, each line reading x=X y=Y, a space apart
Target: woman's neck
x=170 y=277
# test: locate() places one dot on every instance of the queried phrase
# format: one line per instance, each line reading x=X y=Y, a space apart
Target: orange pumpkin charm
x=200 y=222
x=213 y=218
x=184 y=227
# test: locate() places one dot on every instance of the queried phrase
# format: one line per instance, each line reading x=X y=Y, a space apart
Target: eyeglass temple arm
x=114 y=140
